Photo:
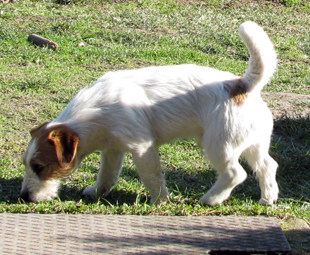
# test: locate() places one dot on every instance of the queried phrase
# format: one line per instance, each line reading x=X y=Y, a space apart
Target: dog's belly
x=168 y=135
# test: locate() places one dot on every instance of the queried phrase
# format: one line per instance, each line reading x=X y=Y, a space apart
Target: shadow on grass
x=10 y=189
x=118 y=194
x=291 y=149
x=115 y=197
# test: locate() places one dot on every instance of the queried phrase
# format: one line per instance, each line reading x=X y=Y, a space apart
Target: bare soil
x=288 y=104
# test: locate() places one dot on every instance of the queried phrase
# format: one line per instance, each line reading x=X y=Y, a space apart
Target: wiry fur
x=138 y=110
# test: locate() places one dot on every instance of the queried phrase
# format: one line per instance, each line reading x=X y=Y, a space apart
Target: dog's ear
x=66 y=142
x=36 y=129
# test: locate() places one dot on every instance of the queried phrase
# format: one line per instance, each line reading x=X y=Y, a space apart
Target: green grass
x=37 y=83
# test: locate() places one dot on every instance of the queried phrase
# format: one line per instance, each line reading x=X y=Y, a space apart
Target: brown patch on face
x=37 y=129
x=237 y=91
x=55 y=151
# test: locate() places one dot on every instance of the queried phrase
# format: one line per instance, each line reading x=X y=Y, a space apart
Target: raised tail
x=263 y=58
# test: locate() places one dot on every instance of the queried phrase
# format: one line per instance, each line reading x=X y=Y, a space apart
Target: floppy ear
x=66 y=142
x=36 y=129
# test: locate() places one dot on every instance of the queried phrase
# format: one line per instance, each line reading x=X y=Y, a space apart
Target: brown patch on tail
x=237 y=91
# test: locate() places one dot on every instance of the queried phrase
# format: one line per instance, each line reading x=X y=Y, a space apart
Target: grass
x=37 y=83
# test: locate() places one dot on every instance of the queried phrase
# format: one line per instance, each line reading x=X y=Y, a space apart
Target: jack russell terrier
x=138 y=110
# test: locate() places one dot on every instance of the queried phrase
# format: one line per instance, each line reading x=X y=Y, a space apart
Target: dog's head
x=50 y=156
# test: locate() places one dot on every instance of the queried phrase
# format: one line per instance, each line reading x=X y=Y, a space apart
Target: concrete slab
x=115 y=234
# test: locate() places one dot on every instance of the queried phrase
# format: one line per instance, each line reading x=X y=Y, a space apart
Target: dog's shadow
x=115 y=197
x=179 y=182
x=10 y=189
x=291 y=149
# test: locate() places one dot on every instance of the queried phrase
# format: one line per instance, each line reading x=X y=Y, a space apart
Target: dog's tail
x=263 y=58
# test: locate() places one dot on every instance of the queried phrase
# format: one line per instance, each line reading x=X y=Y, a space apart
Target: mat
x=111 y=234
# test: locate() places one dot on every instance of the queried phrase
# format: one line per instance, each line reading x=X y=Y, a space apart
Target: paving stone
x=115 y=234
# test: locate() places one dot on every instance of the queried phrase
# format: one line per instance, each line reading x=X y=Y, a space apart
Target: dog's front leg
x=110 y=168
x=147 y=162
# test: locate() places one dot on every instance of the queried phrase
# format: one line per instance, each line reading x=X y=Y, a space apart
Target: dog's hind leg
x=229 y=176
x=110 y=168
x=265 y=168
x=147 y=161
x=230 y=173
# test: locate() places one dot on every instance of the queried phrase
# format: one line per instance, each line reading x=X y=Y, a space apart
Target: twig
x=43 y=42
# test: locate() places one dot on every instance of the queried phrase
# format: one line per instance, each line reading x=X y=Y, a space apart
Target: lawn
x=37 y=83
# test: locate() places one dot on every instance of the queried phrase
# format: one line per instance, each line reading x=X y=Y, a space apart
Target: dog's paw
x=205 y=200
x=269 y=195
x=94 y=192
x=264 y=201
x=212 y=199
x=161 y=197
x=90 y=192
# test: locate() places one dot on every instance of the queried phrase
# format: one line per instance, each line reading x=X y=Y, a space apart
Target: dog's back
x=174 y=101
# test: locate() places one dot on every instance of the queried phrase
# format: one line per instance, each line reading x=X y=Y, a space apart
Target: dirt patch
x=288 y=104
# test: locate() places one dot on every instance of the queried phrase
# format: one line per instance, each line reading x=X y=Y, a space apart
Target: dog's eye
x=37 y=168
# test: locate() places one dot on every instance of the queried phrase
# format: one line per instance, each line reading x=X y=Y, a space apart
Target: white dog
x=137 y=110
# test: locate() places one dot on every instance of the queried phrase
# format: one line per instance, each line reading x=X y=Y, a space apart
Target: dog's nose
x=25 y=196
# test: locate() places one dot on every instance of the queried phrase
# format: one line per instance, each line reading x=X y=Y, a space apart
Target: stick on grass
x=43 y=42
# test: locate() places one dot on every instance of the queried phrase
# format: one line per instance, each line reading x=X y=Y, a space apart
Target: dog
x=138 y=110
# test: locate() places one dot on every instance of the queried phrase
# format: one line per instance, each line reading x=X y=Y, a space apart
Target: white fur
x=40 y=190
x=263 y=59
x=30 y=153
x=138 y=110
